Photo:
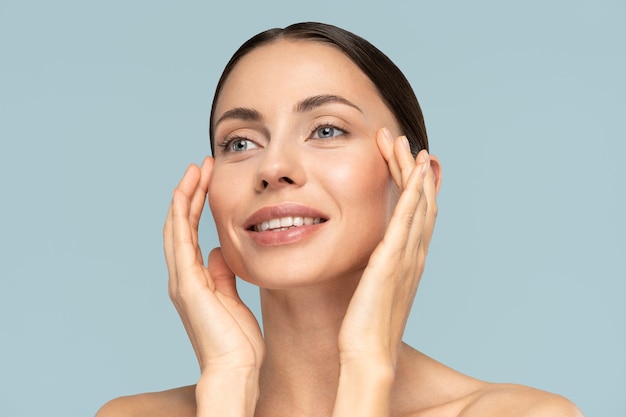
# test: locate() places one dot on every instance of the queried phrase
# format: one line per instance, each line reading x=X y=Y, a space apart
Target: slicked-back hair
x=392 y=85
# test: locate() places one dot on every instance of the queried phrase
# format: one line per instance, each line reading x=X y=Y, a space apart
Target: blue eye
x=326 y=132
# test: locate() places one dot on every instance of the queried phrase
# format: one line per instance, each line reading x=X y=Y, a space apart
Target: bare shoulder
x=179 y=402
x=431 y=389
x=509 y=400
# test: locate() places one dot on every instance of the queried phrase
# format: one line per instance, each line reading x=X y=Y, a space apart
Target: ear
x=435 y=166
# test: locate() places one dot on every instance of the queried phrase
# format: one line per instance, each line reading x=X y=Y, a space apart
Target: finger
x=184 y=249
x=189 y=182
x=406 y=162
x=168 y=247
x=189 y=186
x=430 y=192
x=403 y=220
x=199 y=196
x=183 y=264
x=197 y=203
x=416 y=233
x=185 y=185
x=385 y=144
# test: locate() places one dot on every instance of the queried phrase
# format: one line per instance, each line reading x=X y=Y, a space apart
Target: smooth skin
x=332 y=342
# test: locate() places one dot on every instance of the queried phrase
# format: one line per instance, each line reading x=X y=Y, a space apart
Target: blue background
x=103 y=105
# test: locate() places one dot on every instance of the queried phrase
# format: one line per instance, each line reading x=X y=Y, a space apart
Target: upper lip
x=281 y=210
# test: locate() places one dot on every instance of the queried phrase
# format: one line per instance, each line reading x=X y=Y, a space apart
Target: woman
x=323 y=195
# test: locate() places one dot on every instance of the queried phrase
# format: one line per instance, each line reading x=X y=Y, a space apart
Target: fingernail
x=387 y=134
x=405 y=141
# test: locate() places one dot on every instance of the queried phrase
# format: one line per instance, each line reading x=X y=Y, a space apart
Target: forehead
x=283 y=72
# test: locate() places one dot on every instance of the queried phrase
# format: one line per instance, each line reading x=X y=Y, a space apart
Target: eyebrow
x=311 y=103
x=303 y=106
x=241 y=113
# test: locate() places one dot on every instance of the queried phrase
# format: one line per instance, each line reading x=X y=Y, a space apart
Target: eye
x=238 y=145
x=325 y=132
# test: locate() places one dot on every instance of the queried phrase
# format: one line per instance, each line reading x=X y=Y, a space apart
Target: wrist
x=377 y=369
x=227 y=393
x=364 y=389
x=378 y=360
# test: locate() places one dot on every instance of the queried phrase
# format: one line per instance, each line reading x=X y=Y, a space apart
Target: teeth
x=285 y=223
x=274 y=224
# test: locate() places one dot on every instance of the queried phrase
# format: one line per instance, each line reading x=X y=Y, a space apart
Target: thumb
x=221 y=274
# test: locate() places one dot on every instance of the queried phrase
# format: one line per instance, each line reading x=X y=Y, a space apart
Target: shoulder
x=518 y=401
x=174 y=402
x=433 y=389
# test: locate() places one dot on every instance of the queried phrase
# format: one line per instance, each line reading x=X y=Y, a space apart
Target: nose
x=280 y=166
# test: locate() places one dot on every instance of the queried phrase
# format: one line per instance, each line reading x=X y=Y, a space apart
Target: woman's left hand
x=372 y=330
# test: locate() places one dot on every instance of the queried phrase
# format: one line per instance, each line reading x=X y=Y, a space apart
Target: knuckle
x=408 y=219
x=178 y=295
x=434 y=210
x=172 y=290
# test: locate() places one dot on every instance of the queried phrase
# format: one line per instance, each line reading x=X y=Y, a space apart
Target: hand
x=224 y=333
x=372 y=329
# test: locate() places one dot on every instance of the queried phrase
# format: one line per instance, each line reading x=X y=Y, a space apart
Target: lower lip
x=284 y=237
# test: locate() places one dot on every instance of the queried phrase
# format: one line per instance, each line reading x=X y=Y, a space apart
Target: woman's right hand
x=225 y=335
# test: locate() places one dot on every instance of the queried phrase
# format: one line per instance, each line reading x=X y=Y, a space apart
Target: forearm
x=364 y=390
x=227 y=394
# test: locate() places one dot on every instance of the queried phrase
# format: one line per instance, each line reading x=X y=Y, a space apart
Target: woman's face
x=300 y=192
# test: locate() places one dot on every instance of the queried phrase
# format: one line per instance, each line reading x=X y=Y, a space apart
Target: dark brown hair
x=392 y=85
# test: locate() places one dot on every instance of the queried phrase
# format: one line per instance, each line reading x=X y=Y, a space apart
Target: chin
x=286 y=278
x=281 y=275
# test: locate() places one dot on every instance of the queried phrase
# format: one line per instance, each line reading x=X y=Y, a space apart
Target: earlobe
x=435 y=165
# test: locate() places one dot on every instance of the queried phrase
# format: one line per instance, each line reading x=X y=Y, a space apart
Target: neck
x=301 y=328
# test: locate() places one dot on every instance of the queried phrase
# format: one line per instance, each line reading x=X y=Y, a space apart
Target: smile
x=285 y=223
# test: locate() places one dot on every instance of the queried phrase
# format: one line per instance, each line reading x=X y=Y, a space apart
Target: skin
x=335 y=296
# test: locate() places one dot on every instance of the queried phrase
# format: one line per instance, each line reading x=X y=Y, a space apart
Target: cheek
x=365 y=189
x=227 y=191
x=371 y=181
x=370 y=198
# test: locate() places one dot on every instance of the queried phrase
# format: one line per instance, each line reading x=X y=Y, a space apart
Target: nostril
x=282 y=181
